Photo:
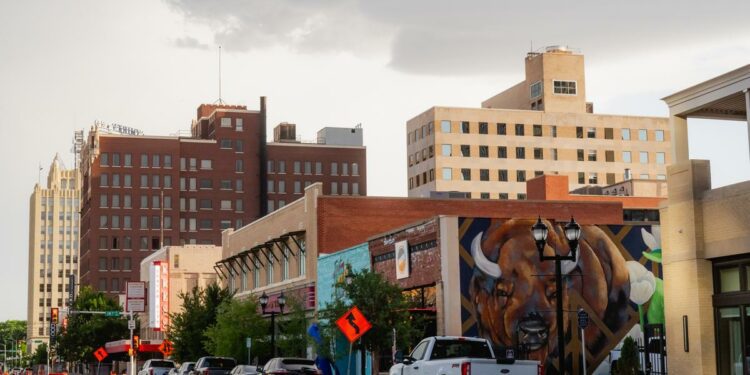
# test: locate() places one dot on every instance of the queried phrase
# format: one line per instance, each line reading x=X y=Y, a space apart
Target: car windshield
x=162 y=364
x=224 y=363
x=297 y=364
x=460 y=348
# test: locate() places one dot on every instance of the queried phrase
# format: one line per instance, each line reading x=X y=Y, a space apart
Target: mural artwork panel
x=508 y=295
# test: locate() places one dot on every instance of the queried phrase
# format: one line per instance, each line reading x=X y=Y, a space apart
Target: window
x=591 y=133
x=661 y=177
x=297 y=187
x=538 y=173
x=521 y=196
x=643 y=176
x=642 y=135
x=537 y=130
x=193 y=183
x=127 y=201
x=581 y=178
x=484 y=195
x=167 y=161
x=609 y=133
x=167 y=181
x=238 y=125
x=319 y=168
x=238 y=166
x=593 y=178
x=269 y=186
x=538 y=153
x=238 y=185
x=446 y=150
x=447 y=174
x=334 y=168
x=625 y=134
x=226 y=122
x=592 y=155
x=579 y=154
x=144 y=180
x=502 y=175
x=465 y=151
x=484 y=151
x=554 y=154
x=502 y=152
x=520 y=176
x=144 y=222
x=308 y=167
x=484 y=174
x=355 y=185
x=626 y=157
x=115 y=200
x=519 y=129
x=103 y=200
x=104 y=159
x=554 y=131
x=282 y=187
x=483 y=129
x=520 y=153
x=445 y=126
x=144 y=160
x=103 y=180
x=103 y=221
x=225 y=143
x=660 y=158
x=206 y=224
x=128 y=160
x=579 y=131
x=610 y=178
x=334 y=188
x=659 y=135
x=465 y=127
x=535 y=90
x=155 y=181
x=643 y=156
x=345 y=166
x=126 y=222
x=205 y=204
x=564 y=87
x=206 y=164
x=239 y=206
x=501 y=129
x=466 y=174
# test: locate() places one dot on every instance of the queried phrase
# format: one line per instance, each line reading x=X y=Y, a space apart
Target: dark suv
x=213 y=366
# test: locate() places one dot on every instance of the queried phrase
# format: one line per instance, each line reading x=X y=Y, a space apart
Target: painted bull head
x=514 y=293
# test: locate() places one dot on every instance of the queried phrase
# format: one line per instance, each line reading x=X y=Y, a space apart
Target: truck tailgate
x=489 y=366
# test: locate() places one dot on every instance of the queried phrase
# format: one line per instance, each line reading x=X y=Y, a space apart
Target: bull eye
x=500 y=292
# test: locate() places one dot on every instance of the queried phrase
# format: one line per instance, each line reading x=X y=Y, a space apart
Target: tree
x=86 y=332
x=291 y=330
x=384 y=306
x=187 y=328
x=628 y=362
x=236 y=321
x=40 y=355
x=14 y=331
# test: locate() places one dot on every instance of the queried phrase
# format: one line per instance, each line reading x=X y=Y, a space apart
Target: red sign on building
x=353 y=324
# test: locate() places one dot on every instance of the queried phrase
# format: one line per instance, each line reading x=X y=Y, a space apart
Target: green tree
x=14 y=331
x=87 y=332
x=291 y=331
x=236 y=321
x=384 y=306
x=628 y=362
x=40 y=355
x=187 y=328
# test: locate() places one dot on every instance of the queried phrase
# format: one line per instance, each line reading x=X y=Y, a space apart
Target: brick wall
x=424 y=263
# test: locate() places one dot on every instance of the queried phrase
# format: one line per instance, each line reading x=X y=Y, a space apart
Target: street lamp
x=572 y=234
x=281 y=300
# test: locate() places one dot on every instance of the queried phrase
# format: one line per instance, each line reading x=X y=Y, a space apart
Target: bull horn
x=485 y=265
x=569 y=265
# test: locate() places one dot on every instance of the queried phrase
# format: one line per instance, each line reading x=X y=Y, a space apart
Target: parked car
x=156 y=367
x=244 y=370
x=173 y=371
x=451 y=355
x=290 y=366
x=185 y=368
x=213 y=366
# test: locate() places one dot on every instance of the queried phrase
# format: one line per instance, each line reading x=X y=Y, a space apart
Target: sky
x=148 y=64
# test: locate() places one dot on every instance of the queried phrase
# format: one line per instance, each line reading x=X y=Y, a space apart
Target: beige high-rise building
x=542 y=125
x=53 y=248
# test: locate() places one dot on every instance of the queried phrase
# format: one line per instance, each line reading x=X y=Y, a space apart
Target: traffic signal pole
x=132 y=356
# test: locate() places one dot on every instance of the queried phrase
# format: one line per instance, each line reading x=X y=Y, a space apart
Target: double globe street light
x=281 y=300
x=572 y=234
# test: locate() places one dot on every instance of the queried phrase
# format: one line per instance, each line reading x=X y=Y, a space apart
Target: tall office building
x=140 y=193
x=53 y=247
x=542 y=125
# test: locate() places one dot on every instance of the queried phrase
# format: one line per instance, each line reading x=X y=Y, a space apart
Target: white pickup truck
x=451 y=355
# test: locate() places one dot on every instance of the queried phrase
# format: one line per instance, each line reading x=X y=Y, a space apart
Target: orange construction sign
x=166 y=348
x=353 y=324
x=100 y=354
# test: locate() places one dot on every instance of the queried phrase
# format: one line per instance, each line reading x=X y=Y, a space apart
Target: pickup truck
x=213 y=366
x=156 y=367
x=451 y=355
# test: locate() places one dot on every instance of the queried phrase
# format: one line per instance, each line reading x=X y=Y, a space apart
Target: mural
x=508 y=295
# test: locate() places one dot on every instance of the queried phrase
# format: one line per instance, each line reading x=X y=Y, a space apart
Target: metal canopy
x=294 y=236
x=269 y=246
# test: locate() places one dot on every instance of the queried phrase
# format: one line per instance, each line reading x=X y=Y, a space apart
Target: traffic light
x=136 y=342
x=54 y=314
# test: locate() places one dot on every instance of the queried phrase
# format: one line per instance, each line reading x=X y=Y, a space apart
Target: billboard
x=158 y=296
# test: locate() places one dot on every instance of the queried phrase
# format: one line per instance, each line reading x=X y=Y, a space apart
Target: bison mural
x=509 y=295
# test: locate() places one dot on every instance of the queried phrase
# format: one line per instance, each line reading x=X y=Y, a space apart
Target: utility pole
x=132 y=326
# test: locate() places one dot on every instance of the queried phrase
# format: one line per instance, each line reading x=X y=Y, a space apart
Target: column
x=679 y=130
x=747 y=114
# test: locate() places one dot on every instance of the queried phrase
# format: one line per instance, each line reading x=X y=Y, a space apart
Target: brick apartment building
x=140 y=193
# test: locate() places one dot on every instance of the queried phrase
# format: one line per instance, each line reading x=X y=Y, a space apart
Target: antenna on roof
x=220 y=101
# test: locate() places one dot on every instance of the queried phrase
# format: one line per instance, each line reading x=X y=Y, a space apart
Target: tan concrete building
x=542 y=125
x=189 y=266
x=706 y=240
x=53 y=248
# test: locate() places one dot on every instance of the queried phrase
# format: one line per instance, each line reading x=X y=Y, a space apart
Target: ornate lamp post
x=572 y=234
x=281 y=300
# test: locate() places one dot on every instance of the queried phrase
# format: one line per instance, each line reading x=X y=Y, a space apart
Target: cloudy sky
x=148 y=64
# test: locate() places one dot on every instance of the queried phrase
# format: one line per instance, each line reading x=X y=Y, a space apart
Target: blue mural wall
x=331 y=269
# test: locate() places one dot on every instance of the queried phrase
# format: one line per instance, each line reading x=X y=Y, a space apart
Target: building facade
x=542 y=125
x=707 y=240
x=140 y=193
x=53 y=248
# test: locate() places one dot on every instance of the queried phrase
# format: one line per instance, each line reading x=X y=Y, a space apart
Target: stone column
x=688 y=275
x=678 y=129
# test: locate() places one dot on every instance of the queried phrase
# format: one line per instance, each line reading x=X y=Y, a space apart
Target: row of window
x=466 y=174
x=69 y=215
x=113 y=264
x=60 y=258
x=165 y=181
x=279 y=187
x=114 y=284
x=113 y=222
x=126 y=243
x=49 y=202
x=226 y=122
x=241 y=281
x=538 y=154
x=48 y=271
x=49 y=304
x=297 y=168
x=116 y=159
x=49 y=287
x=67 y=244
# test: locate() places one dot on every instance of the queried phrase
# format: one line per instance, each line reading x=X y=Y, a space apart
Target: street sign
x=353 y=324
x=136 y=289
x=112 y=314
x=131 y=324
x=166 y=348
x=583 y=319
x=135 y=305
x=248 y=342
x=100 y=354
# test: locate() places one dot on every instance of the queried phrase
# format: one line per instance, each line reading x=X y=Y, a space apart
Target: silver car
x=244 y=370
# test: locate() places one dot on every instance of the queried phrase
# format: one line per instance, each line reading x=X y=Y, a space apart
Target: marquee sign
x=158 y=295
x=117 y=128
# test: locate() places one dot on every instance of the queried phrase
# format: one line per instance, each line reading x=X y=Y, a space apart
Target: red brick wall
x=552 y=188
x=347 y=221
x=424 y=265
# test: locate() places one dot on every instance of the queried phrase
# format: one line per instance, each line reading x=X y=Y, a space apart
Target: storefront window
x=730 y=341
x=732 y=314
